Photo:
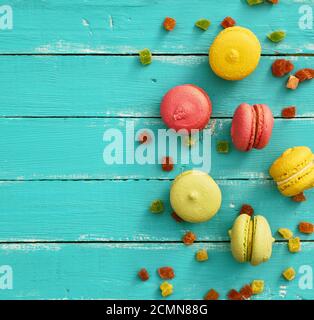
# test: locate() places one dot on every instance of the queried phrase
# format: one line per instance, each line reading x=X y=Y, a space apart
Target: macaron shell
x=195 y=196
x=235 y=53
x=243 y=127
x=186 y=107
x=262 y=241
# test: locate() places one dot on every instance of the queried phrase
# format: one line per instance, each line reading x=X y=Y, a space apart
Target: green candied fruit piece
x=157 y=206
x=203 y=24
x=145 y=56
x=254 y=2
x=222 y=147
x=276 y=36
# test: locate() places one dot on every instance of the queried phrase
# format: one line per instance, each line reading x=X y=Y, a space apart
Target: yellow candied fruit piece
x=285 y=233
x=289 y=274
x=166 y=289
x=201 y=255
x=294 y=245
x=257 y=286
x=189 y=141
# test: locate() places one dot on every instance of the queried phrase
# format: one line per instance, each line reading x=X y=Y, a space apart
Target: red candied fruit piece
x=289 y=112
x=234 y=295
x=189 y=238
x=176 y=217
x=228 y=22
x=212 y=295
x=167 y=164
x=281 y=67
x=144 y=137
x=299 y=197
x=169 y=23
x=246 y=291
x=247 y=209
x=273 y=1
x=143 y=274
x=306 y=227
x=305 y=74
x=166 y=273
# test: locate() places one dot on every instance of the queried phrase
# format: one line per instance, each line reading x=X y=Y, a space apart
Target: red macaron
x=186 y=107
x=252 y=126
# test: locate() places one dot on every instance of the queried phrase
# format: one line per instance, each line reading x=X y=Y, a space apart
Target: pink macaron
x=252 y=126
x=186 y=107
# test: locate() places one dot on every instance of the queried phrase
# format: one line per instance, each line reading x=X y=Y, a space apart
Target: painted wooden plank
x=73 y=149
x=126 y=26
x=120 y=86
x=118 y=211
x=108 y=271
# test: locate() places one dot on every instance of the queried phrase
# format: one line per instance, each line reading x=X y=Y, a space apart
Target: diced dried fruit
x=273 y=1
x=189 y=238
x=212 y=295
x=305 y=74
x=145 y=56
x=228 y=22
x=246 y=292
x=201 y=255
x=306 y=227
x=166 y=273
x=289 y=112
x=176 y=217
x=234 y=295
x=276 y=36
x=299 y=197
x=292 y=83
x=285 y=233
x=167 y=164
x=257 y=286
x=222 y=147
x=144 y=137
x=247 y=209
x=143 y=274
x=169 y=23
x=289 y=274
x=281 y=67
x=157 y=206
x=166 y=289
x=203 y=24
x=254 y=2
x=294 y=245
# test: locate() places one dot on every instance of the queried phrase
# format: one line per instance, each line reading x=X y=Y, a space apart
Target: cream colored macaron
x=235 y=53
x=195 y=196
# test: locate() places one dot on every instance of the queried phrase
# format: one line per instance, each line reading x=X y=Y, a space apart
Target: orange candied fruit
x=189 y=238
x=273 y=1
x=144 y=137
x=305 y=74
x=176 y=217
x=169 y=23
x=246 y=292
x=166 y=273
x=299 y=197
x=281 y=67
x=234 y=295
x=143 y=274
x=167 y=164
x=247 y=209
x=212 y=295
x=289 y=112
x=228 y=22
x=306 y=227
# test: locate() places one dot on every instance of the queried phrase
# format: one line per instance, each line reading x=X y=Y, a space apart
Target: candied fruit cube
x=257 y=286
x=305 y=74
x=145 y=56
x=189 y=238
x=166 y=273
x=166 y=289
x=306 y=227
x=294 y=245
x=289 y=112
x=280 y=67
x=254 y=2
x=273 y=1
x=299 y=197
x=289 y=274
x=222 y=147
x=212 y=295
x=167 y=164
x=234 y=295
x=143 y=274
x=201 y=255
x=276 y=36
x=228 y=22
x=203 y=24
x=169 y=23
x=157 y=206
x=247 y=209
x=292 y=83
x=285 y=233
x=246 y=292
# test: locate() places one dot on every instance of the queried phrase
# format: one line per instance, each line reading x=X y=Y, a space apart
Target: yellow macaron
x=251 y=239
x=293 y=171
x=195 y=196
x=235 y=53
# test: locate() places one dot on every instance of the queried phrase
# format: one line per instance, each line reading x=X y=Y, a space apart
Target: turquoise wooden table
x=74 y=227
